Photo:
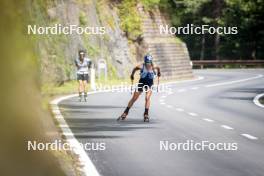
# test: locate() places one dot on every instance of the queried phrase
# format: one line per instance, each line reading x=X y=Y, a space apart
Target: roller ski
x=85 y=96
x=122 y=117
x=80 y=97
x=146 y=118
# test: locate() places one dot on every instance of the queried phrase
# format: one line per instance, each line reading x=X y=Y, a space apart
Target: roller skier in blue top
x=147 y=75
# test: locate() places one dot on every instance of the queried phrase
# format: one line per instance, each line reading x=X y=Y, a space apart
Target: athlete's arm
x=158 y=70
x=133 y=71
x=76 y=63
x=89 y=62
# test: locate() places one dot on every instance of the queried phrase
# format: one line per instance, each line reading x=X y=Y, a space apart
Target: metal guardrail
x=220 y=63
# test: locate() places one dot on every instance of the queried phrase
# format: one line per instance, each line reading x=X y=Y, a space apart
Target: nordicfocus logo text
x=59 y=145
x=58 y=29
x=192 y=29
x=191 y=145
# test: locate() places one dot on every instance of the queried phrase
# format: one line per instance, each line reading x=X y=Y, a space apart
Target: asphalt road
x=218 y=109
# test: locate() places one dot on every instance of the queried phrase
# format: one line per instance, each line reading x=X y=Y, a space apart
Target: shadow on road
x=249 y=90
x=89 y=128
x=237 y=94
x=85 y=106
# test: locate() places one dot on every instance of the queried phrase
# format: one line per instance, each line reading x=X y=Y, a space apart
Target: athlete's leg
x=80 y=89
x=84 y=86
x=85 y=89
x=130 y=104
x=80 y=86
x=85 y=82
x=133 y=99
x=147 y=101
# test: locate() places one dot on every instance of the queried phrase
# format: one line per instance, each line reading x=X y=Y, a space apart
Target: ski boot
x=122 y=117
x=146 y=118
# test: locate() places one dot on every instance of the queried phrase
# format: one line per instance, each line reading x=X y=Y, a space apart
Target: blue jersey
x=147 y=74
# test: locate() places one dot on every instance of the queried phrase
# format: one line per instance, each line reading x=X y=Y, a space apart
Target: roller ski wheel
x=85 y=98
x=122 y=117
x=80 y=99
x=146 y=118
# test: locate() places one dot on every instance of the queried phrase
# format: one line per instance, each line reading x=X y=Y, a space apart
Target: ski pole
x=158 y=85
x=131 y=86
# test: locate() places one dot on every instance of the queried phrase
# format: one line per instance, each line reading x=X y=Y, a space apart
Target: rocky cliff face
x=57 y=52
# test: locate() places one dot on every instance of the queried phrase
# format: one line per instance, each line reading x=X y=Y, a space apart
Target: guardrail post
x=102 y=65
x=92 y=79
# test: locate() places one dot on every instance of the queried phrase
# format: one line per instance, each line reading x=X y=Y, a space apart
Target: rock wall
x=57 y=52
x=168 y=52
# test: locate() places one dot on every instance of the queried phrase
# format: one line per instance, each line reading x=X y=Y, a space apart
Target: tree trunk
x=217 y=11
x=202 y=49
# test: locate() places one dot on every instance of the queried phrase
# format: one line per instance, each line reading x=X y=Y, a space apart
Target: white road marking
x=63 y=126
x=256 y=100
x=164 y=96
x=56 y=111
x=183 y=81
x=249 y=136
x=69 y=134
x=227 y=127
x=195 y=88
x=179 y=109
x=162 y=103
x=208 y=120
x=87 y=166
x=59 y=116
x=233 y=82
x=161 y=100
x=181 y=90
x=192 y=114
x=169 y=106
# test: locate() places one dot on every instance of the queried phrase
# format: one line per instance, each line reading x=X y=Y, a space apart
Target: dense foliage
x=244 y=14
x=130 y=19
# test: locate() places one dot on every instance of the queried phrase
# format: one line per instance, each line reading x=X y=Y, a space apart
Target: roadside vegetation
x=22 y=117
x=246 y=15
x=243 y=14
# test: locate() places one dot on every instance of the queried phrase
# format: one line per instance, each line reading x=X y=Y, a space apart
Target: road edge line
x=256 y=100
x=234 y=81
x=88 y=167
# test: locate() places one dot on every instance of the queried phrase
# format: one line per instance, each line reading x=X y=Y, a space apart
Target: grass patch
x=166 y=40
x=71 y=86
x=50 y=91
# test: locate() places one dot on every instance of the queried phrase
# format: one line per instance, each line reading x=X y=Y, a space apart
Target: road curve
x=218 y=109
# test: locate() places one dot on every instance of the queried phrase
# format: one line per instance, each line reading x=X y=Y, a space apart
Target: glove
x=159 y=74
x=132 y=77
